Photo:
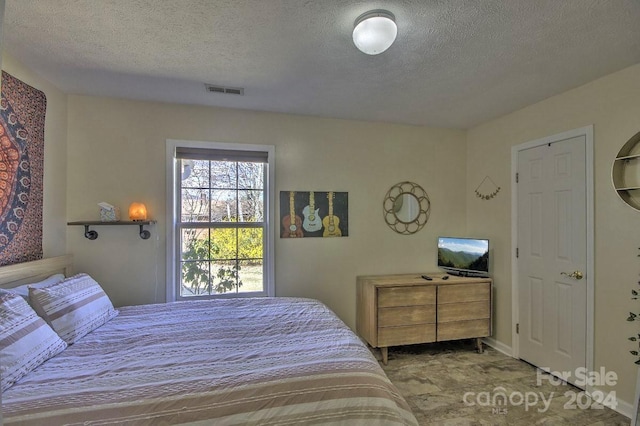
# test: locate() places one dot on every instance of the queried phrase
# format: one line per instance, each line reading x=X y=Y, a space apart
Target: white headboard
x=22 y=273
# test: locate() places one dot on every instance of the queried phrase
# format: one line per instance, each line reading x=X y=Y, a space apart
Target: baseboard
x=622 y=407
x=498 y=346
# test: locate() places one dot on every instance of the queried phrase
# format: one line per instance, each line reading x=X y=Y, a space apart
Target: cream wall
x=116 y=152
x=612 y=105
x=55 y=157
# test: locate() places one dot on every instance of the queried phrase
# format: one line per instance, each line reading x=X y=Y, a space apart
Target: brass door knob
x=575 y=274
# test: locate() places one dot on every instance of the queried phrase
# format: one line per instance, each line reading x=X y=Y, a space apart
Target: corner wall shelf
x=92 y=235
x=625 y=172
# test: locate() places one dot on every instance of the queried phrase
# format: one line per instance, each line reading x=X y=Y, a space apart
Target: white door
x=552 y=255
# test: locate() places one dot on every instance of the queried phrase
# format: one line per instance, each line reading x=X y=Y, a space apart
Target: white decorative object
x=109 y=213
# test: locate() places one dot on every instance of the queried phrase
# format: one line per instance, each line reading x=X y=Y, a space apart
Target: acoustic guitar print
x=292 y=224
x=331 y=222
x=312 y=221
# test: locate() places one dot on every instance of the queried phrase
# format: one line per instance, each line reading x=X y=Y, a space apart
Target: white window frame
x=173 y=237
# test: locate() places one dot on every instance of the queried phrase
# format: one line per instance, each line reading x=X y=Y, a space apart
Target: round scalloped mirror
x=406 y=208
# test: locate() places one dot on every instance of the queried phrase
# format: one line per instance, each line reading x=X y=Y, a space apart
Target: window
x=221 y=241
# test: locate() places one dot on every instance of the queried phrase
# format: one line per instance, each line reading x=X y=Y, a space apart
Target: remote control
x=426 y=277
x=446 y=277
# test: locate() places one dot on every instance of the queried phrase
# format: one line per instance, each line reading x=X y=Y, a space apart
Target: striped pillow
x=26 y=341
x=74 y=307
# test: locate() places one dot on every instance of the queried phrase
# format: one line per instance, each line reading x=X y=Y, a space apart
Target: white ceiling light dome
x=375 y=31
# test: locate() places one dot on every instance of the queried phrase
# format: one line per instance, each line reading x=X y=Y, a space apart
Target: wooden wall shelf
x=92 y=235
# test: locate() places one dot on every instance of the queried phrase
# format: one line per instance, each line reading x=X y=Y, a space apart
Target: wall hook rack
x=92 y=234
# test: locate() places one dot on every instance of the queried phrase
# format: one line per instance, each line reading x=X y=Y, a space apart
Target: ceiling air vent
x=228 y=90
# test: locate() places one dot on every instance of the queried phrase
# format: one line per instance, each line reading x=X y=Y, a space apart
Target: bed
x=265 y=361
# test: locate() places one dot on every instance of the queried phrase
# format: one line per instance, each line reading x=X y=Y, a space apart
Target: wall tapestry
x=22 y=112
x=314 y=214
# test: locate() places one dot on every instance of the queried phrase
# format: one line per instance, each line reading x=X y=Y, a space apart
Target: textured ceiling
x=455 y=63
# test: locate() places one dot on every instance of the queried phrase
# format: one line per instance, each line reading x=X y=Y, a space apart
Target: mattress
x=265 y=361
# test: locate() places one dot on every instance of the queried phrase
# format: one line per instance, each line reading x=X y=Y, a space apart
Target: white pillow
x=26 y=341
x=23 y=290
x=74 y=307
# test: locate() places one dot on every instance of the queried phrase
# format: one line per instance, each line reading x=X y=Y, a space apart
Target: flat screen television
x=467 y=257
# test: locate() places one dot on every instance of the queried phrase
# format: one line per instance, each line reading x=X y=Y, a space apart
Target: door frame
x=587 y=132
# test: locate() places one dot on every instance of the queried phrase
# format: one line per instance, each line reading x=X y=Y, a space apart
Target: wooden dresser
x=394 y=310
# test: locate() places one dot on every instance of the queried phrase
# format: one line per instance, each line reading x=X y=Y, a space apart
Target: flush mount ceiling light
x=375 y=31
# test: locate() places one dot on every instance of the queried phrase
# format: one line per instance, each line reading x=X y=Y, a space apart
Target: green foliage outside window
x=197 y=274
x=249 y=243
x=215 y=268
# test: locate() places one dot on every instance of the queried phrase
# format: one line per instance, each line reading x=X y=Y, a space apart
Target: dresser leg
x=479 y=345
x=385 y=355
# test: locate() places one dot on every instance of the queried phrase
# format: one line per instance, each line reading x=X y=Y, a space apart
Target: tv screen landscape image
x=464 y=256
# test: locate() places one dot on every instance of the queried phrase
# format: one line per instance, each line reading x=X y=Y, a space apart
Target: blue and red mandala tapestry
x=22 y=112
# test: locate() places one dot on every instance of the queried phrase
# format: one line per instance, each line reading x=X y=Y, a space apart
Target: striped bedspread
x=269 y=361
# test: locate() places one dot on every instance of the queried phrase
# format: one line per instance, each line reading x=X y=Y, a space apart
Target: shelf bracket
x=144 y=234
x=91 y=235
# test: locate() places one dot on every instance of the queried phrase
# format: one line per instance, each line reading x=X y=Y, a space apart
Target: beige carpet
x=451 y=384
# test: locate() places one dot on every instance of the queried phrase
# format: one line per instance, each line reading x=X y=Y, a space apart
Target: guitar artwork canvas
x=305 y=214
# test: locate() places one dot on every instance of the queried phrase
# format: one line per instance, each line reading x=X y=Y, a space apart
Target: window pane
x=223 y=174
x=250 y=243
x=224 y=206
x=194 y=173
x=250 y=175
x=195 y=244
x=224 y=275
x=251 y=276
x=251 y=206
x=195 y=205
x=221 y=258
x=224 y=245
x=195 y=279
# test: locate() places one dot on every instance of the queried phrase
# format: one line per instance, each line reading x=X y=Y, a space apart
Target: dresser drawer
x=406 y=315
x=406 y=296
x=448 y=312
x=407 y=335
x=464 y=329
x=458 y=293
